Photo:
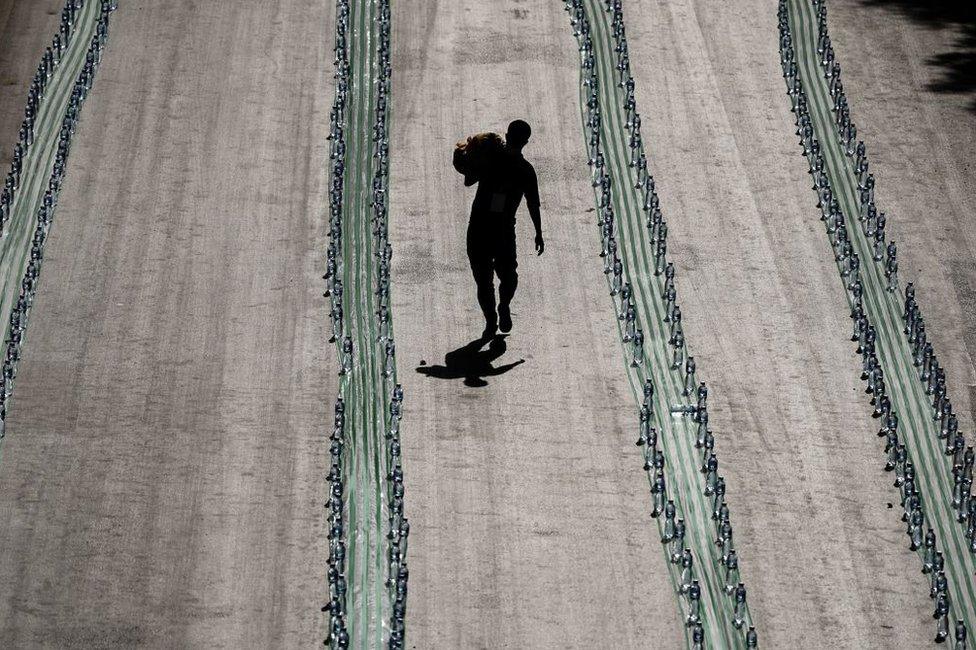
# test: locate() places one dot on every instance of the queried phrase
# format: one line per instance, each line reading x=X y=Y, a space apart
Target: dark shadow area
x=959 y=65
x=472 y=363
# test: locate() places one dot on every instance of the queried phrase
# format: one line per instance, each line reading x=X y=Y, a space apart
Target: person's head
x=518 y=134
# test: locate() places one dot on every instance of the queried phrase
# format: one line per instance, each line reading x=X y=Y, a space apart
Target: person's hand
x=540 y=245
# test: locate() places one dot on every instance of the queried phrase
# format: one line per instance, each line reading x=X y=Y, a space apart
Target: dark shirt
x=501 y=186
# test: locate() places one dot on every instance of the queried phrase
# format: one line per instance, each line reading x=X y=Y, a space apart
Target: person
x=504 y=177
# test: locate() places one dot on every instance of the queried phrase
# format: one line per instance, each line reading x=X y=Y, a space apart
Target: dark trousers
x=491 y=251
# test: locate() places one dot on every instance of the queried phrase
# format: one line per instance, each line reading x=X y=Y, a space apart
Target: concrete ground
x=162 y=478
x=27 y=28
x=164 y=470
x=528 y=505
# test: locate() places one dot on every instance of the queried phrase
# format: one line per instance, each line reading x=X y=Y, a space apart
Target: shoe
x=505 y=319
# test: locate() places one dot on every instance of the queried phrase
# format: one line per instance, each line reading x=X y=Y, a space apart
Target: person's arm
x=532 y=203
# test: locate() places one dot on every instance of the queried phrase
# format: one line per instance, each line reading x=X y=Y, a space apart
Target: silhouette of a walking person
x=503 y=177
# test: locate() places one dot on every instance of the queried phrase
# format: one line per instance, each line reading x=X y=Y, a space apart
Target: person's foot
x=504 y=318
x=491 y=328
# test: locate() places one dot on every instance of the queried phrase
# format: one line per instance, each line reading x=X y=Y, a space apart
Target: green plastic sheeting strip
x=918 y=430
x=676 y=435
x=365 y=389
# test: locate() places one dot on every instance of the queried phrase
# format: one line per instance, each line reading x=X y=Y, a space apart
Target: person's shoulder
x=526 y=165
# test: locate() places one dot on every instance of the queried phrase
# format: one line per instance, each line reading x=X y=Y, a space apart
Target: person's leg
x=505 y=265
x=480 y=258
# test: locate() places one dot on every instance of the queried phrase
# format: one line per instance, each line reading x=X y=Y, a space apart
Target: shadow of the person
x=471 y=363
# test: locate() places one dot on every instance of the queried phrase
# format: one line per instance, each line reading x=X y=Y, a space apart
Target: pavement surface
x=528 y=505
x=164 y=468
x=27 y=29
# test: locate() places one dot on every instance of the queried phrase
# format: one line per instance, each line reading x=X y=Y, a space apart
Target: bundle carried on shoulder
x=477 y=153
